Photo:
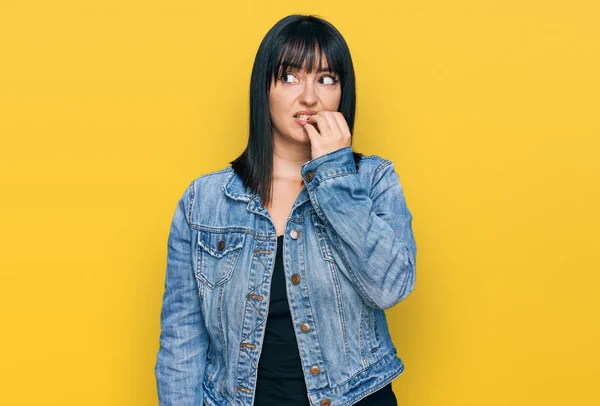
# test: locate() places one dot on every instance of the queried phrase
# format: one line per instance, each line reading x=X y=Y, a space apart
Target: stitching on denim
x=374 y=342
x=360 y=339
x=377 y=387
x=332 y=177
x=222 y=170
x=253 y=304
x=338 y=296
x=228 y=266
x=238 y=239
x=260 y=259
x=201 y=290
x=247 y=231
x=335 y=175
x=323 y=246
x=379 y=167
x=192 y=196
x=376 y=316
x=315 y=203
x=263 y=320
x=201 y=227
x=220 y=318
x=365 y=368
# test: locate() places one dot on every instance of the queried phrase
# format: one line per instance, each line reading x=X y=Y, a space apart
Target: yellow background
x=489 y=109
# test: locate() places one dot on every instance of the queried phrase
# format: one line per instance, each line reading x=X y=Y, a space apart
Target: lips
x=304 y=115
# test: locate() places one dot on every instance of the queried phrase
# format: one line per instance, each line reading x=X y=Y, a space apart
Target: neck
x=288 y=159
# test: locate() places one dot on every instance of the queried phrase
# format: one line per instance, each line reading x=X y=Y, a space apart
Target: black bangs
x=301 y=54
x=303 y=47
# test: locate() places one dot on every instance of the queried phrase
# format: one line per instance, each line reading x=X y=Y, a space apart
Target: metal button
x=325 y=402
x=295 y=279
x=309 y=176
x=315 y=370
x=295 y=234
x=221 y=245
x=305 y=327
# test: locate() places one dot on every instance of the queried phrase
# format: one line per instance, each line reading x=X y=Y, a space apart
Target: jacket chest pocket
x=216 y=256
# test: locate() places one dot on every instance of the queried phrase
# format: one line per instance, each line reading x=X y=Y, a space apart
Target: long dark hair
x=291 y=41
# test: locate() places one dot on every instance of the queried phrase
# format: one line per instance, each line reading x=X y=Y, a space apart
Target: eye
x=284 y=77
x=329 y=80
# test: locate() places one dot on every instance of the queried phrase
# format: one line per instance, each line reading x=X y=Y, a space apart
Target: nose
x=308 y=96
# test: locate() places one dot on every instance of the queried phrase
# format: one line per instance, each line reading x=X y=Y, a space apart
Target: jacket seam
x=371 y=365
x=375 y=388
x=337 y=175
x=192 y=195
x=380 y=167
x=340 y=302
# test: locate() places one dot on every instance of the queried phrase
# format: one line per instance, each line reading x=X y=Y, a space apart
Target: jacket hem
x=369 y=380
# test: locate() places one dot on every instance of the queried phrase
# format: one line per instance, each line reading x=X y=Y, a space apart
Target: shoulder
x=212 y=179
x=205 y=185
x=373 y=165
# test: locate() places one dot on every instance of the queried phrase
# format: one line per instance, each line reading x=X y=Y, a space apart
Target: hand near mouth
x=333 y=132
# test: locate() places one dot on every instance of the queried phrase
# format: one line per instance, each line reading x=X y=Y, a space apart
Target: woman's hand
x=333 y=132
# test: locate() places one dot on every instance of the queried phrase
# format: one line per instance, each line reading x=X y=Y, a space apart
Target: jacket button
x=325 y=402
x=295 y=279
x=305 y=327
x=221 y=245
x=309 y=176
x=315 y=370
x=295 y=234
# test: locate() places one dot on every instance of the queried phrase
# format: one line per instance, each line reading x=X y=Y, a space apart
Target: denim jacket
x=348 y=253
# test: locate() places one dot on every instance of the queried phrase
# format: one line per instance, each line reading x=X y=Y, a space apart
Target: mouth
x=303 y=117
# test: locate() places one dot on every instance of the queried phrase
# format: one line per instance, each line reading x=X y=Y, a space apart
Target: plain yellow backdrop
x=490 y=111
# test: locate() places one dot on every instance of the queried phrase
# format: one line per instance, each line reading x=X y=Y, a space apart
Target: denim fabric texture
x=349 y=239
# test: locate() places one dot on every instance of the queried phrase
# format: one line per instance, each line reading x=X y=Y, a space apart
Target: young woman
x=280 y=266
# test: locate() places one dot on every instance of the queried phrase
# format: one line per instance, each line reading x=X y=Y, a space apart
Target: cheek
x=331 y=99
x=277 y=109
x=276 y=103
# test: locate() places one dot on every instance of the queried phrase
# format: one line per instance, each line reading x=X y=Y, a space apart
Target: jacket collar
x=235 y=189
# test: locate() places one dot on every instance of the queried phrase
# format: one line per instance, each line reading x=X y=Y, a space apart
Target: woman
x=280 y=266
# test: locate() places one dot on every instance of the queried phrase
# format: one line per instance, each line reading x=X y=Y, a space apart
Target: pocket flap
x=218 y=244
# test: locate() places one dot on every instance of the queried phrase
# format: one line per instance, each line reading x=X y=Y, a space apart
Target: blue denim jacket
x=348 y=252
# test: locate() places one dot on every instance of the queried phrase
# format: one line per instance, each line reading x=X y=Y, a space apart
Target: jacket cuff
x=336 y=163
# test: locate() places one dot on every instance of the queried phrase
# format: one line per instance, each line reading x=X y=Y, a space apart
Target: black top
x=280 y=379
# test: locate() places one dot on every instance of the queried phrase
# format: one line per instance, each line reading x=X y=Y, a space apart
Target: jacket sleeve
x=370 y=225
x=184 y=340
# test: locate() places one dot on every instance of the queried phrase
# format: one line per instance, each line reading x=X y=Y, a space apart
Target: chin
x=302 y=136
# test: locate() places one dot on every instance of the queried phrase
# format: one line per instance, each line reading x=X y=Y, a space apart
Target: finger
x=312 y=132
x=333 y=124
x=339 y=117
x=320 y=122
